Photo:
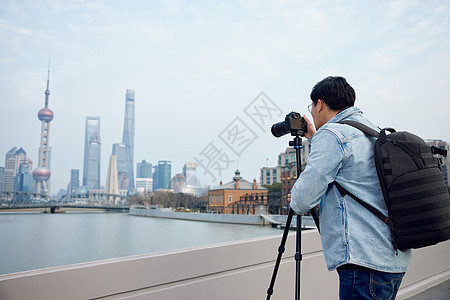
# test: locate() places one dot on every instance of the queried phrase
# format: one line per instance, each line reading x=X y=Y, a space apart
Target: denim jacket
x=349 y=232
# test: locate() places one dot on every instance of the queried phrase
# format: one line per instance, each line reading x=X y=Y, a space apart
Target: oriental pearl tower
x=41 y=174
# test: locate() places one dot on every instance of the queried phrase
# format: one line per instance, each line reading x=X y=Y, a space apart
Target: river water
x=31 y=241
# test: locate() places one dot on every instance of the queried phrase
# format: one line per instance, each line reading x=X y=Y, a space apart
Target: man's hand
x=310 y=127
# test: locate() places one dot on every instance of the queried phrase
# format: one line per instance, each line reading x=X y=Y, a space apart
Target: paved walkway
x=438 y=292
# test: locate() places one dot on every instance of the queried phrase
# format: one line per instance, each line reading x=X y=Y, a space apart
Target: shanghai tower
x=128 y=137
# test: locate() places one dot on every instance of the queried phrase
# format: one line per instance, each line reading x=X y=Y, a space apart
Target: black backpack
x=413 y=187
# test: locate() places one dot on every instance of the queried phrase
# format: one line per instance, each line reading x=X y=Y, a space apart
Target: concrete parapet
x=219 y=218
x=307 y=221
x=235 y=270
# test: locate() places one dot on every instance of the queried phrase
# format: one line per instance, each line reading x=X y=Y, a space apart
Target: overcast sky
x=199 y=68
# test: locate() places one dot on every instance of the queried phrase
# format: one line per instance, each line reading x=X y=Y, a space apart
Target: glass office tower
x=17 y=162
x=162 y=175
x=74 y=180
x=92 y=154
x=128 y=137
x=144 y=170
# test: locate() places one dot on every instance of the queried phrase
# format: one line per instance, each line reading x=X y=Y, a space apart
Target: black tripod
x=297 y=144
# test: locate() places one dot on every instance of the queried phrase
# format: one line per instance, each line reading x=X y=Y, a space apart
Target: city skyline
x=197 y=70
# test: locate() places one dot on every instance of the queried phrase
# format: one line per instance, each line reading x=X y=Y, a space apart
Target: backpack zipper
x=418 y=163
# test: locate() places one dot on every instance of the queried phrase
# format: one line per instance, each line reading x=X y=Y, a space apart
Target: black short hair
x=335 y=92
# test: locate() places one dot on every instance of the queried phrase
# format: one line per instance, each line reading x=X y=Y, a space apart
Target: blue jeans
x=361 y=283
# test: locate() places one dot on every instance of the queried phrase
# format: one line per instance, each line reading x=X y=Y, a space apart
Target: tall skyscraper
x=92 y=154
x=128 y=136
x=23 y=182
x=10 y=154
x=41 y=174
x=155 y=185
x=16 y=160
x=162 y=175
x=74 y=180
x=144 y=169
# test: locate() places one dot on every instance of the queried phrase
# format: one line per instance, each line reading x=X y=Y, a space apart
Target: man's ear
x=320 y=105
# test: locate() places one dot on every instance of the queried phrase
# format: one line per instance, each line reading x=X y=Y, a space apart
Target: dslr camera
x=294 y=123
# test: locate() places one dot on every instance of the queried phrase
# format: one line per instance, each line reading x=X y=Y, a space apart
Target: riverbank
x=263 y=220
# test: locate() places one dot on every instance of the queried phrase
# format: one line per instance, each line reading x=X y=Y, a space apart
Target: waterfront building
x=223 y=198
x=286 y=159
x=289 y=156
x=162 y=175
x=288 y=178
x=92 y=154
x=286 y=170
x=144 y=170
x=42 y=173
x=178 y=183
x=445 y=167
x=144 y=185
x=128 y=136
x=190 y=175
x=270 y=175
x=74 y=181
x=15 y=159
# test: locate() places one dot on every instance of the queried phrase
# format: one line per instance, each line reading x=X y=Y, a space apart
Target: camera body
x=294 y=123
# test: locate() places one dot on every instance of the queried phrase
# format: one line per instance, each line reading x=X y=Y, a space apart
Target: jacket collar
x=345 y=114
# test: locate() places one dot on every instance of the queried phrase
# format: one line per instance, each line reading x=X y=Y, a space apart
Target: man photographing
x=354 y=241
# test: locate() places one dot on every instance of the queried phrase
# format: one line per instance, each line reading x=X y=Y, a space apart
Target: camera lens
x=279 y=129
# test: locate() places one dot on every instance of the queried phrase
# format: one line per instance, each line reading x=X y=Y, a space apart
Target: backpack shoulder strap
x=364 y=128
x=367 y=206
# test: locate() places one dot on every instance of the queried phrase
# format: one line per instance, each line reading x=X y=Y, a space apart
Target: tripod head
x=296 y=142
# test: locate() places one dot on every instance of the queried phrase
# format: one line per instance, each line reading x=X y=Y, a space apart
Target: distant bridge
x=96 y=197
x=22 y=197
x=75 y=201
x=53 y=207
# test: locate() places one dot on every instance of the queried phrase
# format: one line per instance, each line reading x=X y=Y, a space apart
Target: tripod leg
x=281 y=249
x=298 y=257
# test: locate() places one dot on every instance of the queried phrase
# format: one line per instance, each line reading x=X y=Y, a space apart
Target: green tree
x=275 y=187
